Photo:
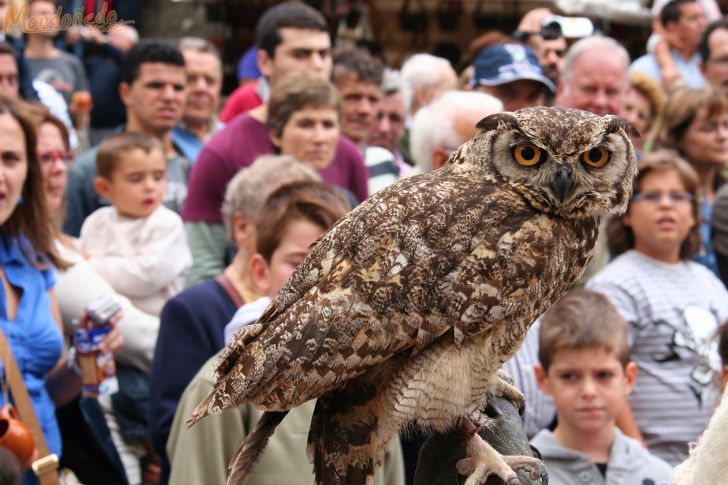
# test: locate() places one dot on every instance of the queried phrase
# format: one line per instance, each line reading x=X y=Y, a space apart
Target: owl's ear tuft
x=493 y=121
x=617 y=123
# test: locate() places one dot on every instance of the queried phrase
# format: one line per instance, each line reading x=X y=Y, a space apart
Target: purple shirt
x=238 y=145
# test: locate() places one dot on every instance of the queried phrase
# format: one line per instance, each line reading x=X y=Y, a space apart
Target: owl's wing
x=438 y=252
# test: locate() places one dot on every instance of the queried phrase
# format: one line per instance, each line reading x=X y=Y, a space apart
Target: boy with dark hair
x=585 y=366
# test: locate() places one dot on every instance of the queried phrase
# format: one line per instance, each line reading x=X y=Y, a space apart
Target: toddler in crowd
x=137 y=245
x=585 y=366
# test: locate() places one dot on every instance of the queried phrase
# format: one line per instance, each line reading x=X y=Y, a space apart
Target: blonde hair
x=250 y=187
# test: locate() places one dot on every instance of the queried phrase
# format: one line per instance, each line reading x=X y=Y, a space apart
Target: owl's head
x=565 y=162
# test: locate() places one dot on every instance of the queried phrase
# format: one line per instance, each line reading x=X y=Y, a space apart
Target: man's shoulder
x=647 y=64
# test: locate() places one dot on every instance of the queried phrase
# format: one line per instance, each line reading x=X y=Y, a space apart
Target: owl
x=405 y=310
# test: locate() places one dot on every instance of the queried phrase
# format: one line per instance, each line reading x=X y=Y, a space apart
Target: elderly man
x=425 y=77
x=713 y=50
x=442 y=126
x=594 y=77
x=204 y=84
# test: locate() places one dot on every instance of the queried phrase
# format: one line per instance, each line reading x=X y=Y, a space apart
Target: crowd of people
x=122 y=176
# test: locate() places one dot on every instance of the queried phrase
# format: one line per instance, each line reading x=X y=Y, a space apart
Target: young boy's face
x=297 y=239
x=136 y=187
x=589 y=387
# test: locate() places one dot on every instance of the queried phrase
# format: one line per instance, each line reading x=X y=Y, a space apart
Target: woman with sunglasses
x=672 y=304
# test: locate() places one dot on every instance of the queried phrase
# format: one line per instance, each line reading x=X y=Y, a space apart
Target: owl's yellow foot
x=485 y=461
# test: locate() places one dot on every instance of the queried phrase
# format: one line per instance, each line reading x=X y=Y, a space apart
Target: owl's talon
x=485 y=461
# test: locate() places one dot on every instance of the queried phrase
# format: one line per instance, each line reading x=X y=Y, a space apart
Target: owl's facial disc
x=562 y=181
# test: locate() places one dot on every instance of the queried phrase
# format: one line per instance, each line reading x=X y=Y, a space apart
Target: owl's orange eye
x=528 y=154
x=596 y=157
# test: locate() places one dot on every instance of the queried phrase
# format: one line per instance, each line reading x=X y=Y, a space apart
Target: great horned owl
x=405 y=310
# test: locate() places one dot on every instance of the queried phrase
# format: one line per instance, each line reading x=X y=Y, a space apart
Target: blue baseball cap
x=505 y=63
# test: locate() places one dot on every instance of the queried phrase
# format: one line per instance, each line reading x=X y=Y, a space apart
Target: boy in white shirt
x=137 y=245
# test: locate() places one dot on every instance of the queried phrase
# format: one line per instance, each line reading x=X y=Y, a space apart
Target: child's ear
x=542 y=379
x=630 y=376
x=260 y=274
x=102 y=187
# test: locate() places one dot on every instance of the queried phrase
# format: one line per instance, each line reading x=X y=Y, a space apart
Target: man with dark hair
x=358 y=77
x=713 y=50
x=153 y=89
x=290 y=37
x=290 y=42
x=683 y=20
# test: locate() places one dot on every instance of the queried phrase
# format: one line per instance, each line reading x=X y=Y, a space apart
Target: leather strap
x=46 y=466
x=227 y=285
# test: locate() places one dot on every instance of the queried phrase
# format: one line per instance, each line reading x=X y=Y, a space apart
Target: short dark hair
x=582 y=319
x=295 y=15
x=671 y=11
x=148 y=51
x=355 y=60
x=704 y=44
x=308 y=200
x=112 y=150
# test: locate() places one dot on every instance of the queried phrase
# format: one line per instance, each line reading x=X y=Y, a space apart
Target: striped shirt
x=673 y=311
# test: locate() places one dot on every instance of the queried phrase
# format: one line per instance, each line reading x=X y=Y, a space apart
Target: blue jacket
x=190 y=332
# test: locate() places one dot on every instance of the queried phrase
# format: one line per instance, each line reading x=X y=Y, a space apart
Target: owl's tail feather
x=241 y=466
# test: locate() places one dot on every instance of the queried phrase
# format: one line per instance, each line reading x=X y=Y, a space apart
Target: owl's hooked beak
x=562 y=181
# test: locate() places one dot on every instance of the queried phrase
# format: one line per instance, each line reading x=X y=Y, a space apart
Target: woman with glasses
x=694 y=122
x=673 y=306
x=76 y=287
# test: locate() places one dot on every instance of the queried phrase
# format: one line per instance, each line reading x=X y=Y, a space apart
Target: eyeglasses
x=48 y=157
x=653 y=197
